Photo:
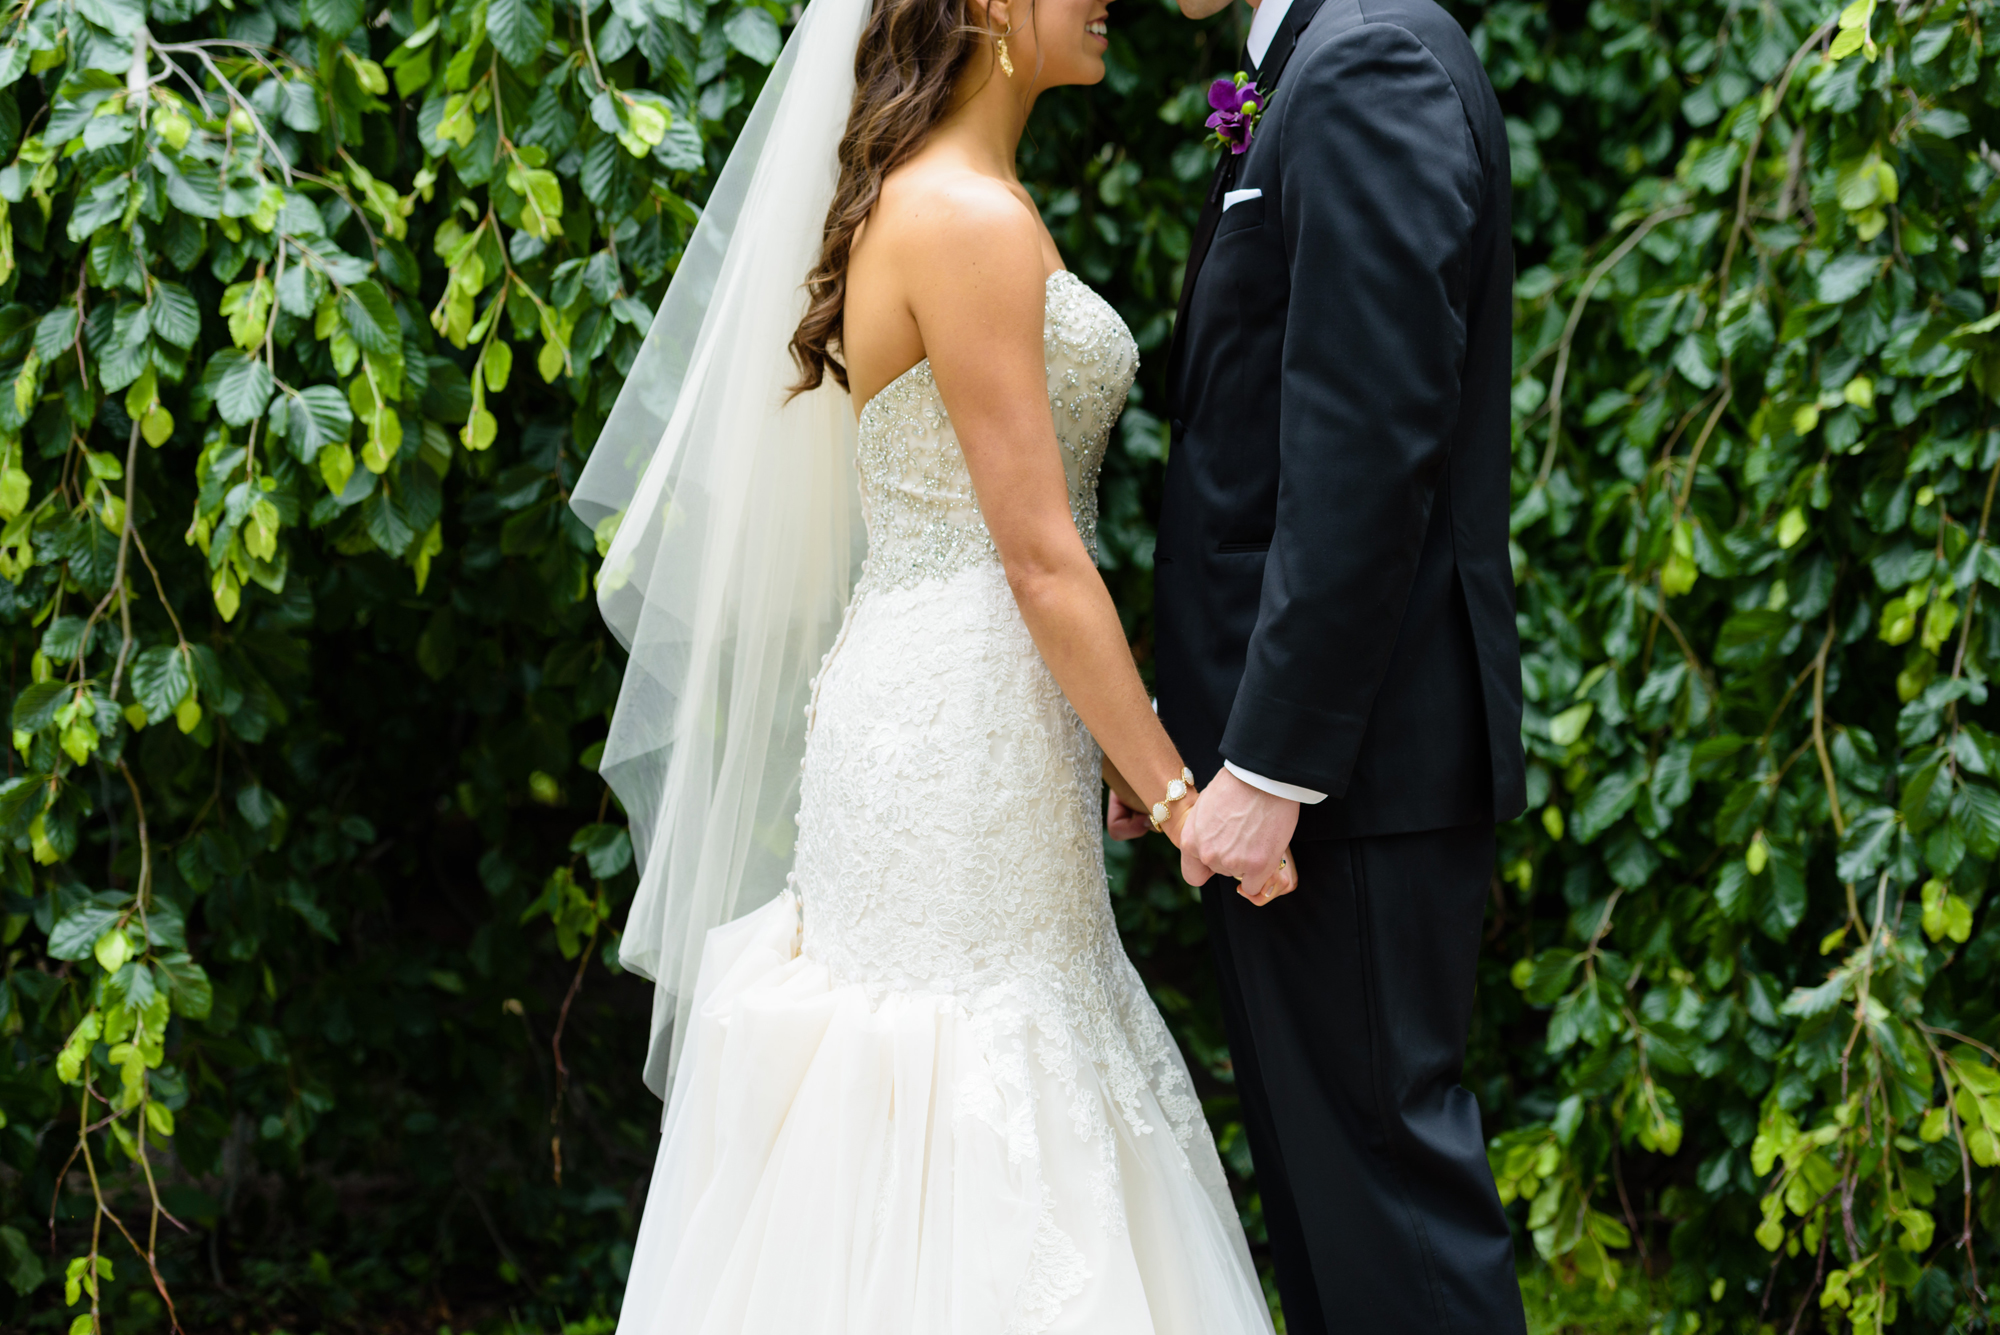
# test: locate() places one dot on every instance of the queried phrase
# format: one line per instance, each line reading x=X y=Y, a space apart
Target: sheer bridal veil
x=737 y=533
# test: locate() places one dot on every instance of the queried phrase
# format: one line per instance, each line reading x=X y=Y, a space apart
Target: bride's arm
x=976 y=281
x=1122 y=786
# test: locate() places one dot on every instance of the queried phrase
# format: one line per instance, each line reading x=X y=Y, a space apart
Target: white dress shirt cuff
x=1291 y=792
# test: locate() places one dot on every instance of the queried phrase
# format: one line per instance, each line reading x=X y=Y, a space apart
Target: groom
x=1337 y=655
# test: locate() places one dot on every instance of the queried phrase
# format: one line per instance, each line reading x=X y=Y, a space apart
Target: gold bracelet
x=1176 y=790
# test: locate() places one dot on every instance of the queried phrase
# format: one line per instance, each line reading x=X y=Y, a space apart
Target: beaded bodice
x=916 y=493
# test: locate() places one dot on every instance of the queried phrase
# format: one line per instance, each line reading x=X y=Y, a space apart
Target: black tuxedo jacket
x=1335 y=600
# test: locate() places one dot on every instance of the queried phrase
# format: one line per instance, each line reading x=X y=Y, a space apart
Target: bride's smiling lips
x=1099 y=28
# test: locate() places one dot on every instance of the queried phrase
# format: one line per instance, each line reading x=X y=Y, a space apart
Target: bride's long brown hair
x=905 y=70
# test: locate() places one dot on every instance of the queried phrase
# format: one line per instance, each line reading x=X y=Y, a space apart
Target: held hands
x=1243 y=832
x=1281 y=872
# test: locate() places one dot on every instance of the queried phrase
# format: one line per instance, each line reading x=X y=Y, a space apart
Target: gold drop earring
x=1006 y=61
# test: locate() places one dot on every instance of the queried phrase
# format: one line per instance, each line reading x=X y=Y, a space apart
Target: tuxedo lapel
x=1276 y=56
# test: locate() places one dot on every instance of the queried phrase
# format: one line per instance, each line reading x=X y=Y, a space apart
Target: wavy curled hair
x=905 y=71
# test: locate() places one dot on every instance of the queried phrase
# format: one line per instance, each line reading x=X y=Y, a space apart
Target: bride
x=921 y=1090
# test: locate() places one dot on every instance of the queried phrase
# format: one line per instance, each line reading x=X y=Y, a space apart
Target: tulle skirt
x=838 y=1160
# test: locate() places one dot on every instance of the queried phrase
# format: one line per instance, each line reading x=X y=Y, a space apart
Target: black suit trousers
x=1347 y=1004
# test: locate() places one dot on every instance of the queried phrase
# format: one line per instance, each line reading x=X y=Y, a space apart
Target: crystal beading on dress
x=923 y=518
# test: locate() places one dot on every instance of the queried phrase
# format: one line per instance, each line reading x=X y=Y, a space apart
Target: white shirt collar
x=1264 y=25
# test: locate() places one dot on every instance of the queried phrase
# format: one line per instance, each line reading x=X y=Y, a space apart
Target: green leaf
x=1732 y=890
x=607 y=848
x=161 y=678
x=1565 y=728
x=1976 y=809
x=187 y=985
x=1867 y=844
x=301 y=109
x=1749 y=639
x=242 y=386
x=1807 y=1002
x=35 y=707
x=63 y=639
x=385 y=524
x=174 y=315
x=300 y=899
x=55 y=333
x=24 y=1267
x=114 y=16
x=1695 y=358
x=518 y=29
x=1780 y=893
x=193 y=187
x=1742 y=811
x=1860 y=184
x=299 y=291
x=1944 y=122
x=754 y=32
x=601 y=165
x=104 y=205
x=319 y=417
x=75 y=935
x=1673 y=778
x=495 y=364
x=336 y=18
x=1846 y=276
x=680 y=151
x=1917 y=808
x=371 y=318
x=1611 y=798
x=21 y=800
x=1549 y=977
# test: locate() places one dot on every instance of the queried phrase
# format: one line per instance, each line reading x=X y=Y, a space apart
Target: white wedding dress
x=924 y=1092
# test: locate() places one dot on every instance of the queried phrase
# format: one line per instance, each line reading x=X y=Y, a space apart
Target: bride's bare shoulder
x=950 y=258
x=936 y=218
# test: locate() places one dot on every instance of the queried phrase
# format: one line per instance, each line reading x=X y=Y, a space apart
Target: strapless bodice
x=916 y=493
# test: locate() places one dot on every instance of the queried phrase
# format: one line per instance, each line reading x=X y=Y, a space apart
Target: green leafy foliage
x=1756 y=453
x=310 y=889
x=307 y=668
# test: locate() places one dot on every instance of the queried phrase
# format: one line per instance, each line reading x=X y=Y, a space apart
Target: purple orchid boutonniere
x=1237 y=105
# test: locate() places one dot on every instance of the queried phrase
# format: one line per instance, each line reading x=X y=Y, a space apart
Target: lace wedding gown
x=944 y=1105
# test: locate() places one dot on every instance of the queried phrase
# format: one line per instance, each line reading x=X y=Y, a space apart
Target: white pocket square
x=1235 y=197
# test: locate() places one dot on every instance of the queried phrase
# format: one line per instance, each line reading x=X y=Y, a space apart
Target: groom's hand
x=1238 y=831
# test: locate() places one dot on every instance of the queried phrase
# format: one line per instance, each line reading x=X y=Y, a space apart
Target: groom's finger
x=1279 y=880
x=1282 y=882
x=1193 y=870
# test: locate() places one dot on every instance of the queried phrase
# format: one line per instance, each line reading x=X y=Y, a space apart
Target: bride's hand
x=1283 y=882
x=1122 y=822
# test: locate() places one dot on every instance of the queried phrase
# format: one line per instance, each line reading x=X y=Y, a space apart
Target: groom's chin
x=1201 y=9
